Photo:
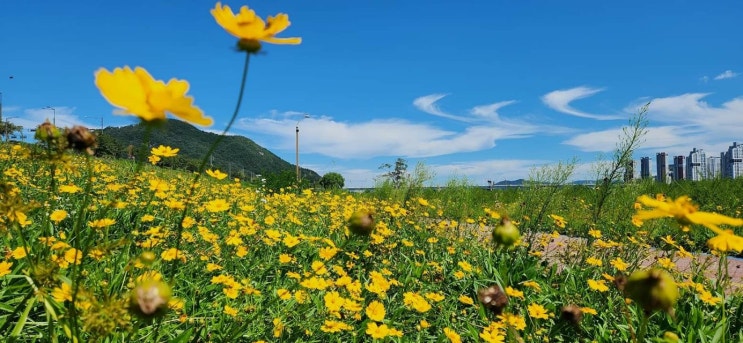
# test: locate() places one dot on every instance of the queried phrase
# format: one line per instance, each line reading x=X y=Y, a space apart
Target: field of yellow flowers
x=112 y=250
x=118 y=251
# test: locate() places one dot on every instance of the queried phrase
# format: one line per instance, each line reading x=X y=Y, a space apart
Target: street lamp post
x=54 y=112
x=299 y=177
x=94 y=117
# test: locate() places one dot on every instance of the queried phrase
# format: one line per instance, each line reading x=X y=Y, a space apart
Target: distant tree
x=397 y=174
x=7 y=128
x=281 y=180
x=108 y=146
x=332 y=180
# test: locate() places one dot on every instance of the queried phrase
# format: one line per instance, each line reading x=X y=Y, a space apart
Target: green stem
x=212 y=148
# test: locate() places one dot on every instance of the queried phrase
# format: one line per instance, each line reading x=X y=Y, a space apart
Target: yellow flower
x=513 y=320
x=285 y=258
x=283 y=294
x=72 y=189
x=559 y=221
x=599 y=285
x=537 y=311
x=137 y=93
x=5 y=268
x=588 y=310
x=172 y=254
x=216 y=174
x=707 y=298
x=452 y=336
x=230 y=311
x=217 y=205
x=101 y=223
x=685 y=213
x=375 y=311
x=73 y=255
x=725 y=242
x=153 y=159
x=164 y=151
x=58 y=215
x=532 y=284
x=416 y=301
x=333 y=301
x=594 y=261
x=18 y=253
x=619 y=264
x=594 y=233
x=512 y=292
x=250 y=29
x=62 y=293
x=377 y=331
x=332 y=326
x=466 y=300
x=278 y=327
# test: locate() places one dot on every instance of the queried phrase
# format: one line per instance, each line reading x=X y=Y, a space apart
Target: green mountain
x=236 y=155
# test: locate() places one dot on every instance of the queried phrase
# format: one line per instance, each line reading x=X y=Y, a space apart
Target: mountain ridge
x=237 y=155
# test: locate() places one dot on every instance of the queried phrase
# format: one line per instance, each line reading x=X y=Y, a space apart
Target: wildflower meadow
x=102 y=250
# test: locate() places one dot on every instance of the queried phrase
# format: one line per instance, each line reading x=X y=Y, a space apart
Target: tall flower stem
x=179 y=231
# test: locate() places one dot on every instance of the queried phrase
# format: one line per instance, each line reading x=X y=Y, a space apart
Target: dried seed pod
x=80 y=139
x=571 y=314
x=493 y=298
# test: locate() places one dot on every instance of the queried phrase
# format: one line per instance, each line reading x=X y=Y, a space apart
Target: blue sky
x=485 y=90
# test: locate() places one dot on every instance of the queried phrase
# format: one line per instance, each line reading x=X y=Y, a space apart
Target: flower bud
x=653 y=289
x=150 y=298
x=506 y=234
x=47 y=132
x=147 y=257
x=361 y=223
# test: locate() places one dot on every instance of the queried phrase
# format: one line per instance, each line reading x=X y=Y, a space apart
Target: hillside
x=236 y=155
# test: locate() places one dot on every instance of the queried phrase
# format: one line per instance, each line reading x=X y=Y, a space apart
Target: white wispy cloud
x=491 y=111
x=428 y=104
x=676 y=125
x=392 y=136
x=63 y=116
x=728 y=74
x=560 y=100
x=382 y=137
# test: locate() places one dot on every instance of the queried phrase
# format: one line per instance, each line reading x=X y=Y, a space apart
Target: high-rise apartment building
x=645 y=168
x=714 y=167
x=661 y=167
x=733 y=161
x=696 y=165
x=678 y=168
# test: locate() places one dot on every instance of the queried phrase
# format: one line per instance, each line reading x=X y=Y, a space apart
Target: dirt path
x=685 y=265
x=708 y=264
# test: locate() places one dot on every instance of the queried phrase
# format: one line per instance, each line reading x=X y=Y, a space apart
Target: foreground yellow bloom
x=726 y=241
x=250 y=29
x=137 y=93
x=685 y=212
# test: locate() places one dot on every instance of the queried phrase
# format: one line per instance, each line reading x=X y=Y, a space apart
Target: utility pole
x=299 y=176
